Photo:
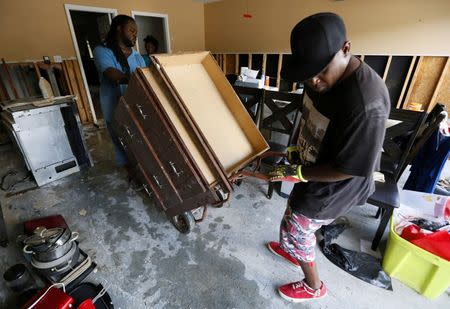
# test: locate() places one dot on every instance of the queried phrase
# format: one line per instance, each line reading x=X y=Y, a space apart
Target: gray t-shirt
x=344 y=127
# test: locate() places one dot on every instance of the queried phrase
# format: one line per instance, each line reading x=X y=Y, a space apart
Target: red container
x=47 y=222
x=54 y=299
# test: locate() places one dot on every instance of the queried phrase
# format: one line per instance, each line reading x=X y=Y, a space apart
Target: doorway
x=152 y=24
x=89 y=26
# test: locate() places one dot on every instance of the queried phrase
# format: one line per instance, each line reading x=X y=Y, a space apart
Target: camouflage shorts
x=297 y=235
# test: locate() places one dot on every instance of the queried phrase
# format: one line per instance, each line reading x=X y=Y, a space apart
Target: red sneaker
x=275 y=248
x=298 y=292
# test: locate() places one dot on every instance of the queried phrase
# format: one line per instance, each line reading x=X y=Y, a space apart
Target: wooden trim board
x=264 y=64
x=426 y=80
x=280 y=64
x=443 y=96
x=386 y=69
x=413 y=81
x=75 y=83
x=405 y=84
x=224 y=63
x=439 y=85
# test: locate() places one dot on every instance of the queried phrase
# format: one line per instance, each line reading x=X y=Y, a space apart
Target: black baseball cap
x=314 y=42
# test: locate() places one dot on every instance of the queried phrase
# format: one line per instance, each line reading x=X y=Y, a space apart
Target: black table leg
x=270 y=190
x=386 y=215
x=378 y=213
x=3 y=234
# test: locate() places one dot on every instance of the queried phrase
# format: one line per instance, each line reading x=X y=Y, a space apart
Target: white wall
x=383 y=27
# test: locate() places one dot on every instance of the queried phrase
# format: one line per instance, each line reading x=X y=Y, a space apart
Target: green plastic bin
x=421 y=270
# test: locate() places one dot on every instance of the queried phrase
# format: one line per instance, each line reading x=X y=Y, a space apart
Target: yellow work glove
x=291 y=173
x=293 y=154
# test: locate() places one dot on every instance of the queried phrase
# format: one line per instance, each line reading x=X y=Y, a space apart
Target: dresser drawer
x=138 y=146
x=167 y=147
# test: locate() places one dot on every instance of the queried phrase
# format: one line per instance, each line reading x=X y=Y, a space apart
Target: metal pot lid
x=54 y=243
x=42 y=235
x=63 y=238
x=45 y=265
x=53 y=253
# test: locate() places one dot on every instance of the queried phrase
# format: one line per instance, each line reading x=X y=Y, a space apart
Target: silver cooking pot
x=53 y=249
x=60 y=265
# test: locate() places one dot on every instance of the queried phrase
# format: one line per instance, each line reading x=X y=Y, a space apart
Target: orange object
x=417 y=107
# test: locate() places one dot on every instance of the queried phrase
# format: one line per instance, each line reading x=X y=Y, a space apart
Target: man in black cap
x=339 y=145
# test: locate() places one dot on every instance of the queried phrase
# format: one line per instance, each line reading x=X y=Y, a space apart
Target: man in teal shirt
x=115 y=61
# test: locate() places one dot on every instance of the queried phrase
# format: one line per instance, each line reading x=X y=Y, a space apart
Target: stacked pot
x=52 y=252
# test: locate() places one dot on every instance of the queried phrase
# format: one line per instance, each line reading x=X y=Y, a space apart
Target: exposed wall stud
x=386 y=69
x=439 y=85
x=280 y=63
x=413 y=80
x=264 y=64
x=405 y=83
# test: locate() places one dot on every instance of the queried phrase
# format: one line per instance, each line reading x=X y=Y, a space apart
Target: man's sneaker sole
x=299 y=300
x=273 y=251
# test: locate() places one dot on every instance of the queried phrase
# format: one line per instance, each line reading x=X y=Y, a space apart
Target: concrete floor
x=222 y=263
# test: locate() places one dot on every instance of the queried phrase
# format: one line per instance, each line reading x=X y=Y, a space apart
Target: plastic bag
x=437 y=243
x=359 y=264
x=429 y=225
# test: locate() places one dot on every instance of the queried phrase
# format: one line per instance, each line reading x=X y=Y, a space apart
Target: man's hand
x=285 y=173
x=116 y=76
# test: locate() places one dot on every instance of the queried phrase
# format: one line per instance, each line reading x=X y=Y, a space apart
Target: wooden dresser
x=185 y=131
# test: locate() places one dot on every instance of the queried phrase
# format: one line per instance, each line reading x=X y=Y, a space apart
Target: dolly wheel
x=184 y=222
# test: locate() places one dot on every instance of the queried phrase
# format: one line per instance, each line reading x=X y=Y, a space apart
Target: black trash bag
x=359 y=264
x=429 y=225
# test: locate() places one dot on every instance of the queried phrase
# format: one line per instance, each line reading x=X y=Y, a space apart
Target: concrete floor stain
x=239 y=196
x=137 y=266
x=213 y=282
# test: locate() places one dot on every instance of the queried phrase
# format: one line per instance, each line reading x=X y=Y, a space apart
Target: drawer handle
x=149 y=193
x=174 y=169
x=128 y=131
x=157 y=182
x=144 y=116
x=121 y=143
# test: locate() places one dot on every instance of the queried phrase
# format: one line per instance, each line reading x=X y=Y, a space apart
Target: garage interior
x=149 y=247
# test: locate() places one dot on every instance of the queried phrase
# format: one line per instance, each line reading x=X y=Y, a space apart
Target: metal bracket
x=157 y=182
x=129 y=131
x=174 y=168
x=122 y=143
x=149 y=193
x=139 y=107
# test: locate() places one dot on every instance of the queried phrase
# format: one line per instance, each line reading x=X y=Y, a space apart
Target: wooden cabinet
x=184 y=153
